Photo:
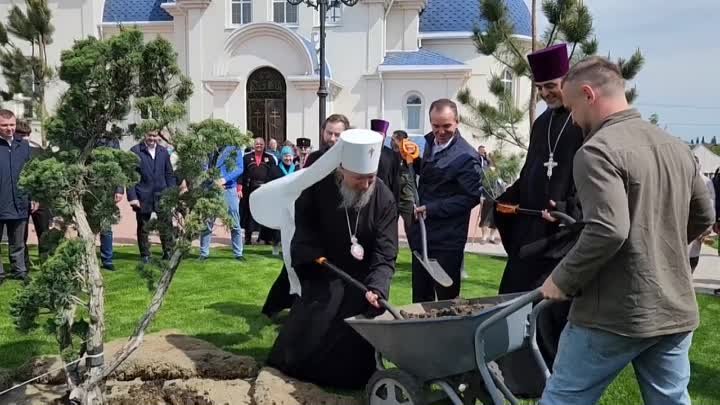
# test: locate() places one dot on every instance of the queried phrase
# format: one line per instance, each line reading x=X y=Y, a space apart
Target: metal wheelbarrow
x=453 y=353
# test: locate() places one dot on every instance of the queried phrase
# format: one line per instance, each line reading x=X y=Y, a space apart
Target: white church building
x=255 y=63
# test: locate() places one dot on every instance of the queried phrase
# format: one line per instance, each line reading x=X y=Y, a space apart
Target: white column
x=375 y=34
x=180 y=34
x=223 y=89
x=195 y=57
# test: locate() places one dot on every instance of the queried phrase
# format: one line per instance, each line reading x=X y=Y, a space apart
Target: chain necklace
x=550 y=164
x=356 y=249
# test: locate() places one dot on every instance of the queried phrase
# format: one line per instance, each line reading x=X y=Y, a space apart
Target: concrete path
x=707 y=274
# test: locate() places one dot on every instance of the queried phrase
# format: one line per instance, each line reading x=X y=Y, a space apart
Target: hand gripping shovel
x=348 y=279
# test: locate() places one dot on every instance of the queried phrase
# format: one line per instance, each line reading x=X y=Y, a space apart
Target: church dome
x=464 y=16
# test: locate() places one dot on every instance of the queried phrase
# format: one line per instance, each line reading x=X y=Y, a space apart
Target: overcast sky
x=681 y=77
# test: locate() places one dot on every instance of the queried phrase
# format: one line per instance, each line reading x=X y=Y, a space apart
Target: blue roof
x=464 y=15
x=421 y=57
x=135 y=10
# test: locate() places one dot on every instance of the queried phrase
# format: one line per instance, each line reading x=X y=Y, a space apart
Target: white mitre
x=273 y=204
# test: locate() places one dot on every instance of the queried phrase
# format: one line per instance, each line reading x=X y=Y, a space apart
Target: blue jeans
x=588 y=360
x=106 y=247
x=233 y=205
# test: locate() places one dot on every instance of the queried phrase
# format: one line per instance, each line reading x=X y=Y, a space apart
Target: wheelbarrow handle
x=533 y=296
x=350 y=280
x=514 y=306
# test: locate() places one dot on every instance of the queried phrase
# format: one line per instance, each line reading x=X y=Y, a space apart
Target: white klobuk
x=273 y=204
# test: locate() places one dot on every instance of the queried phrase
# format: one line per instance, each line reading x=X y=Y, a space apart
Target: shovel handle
x=350 y=280
x=423 y=234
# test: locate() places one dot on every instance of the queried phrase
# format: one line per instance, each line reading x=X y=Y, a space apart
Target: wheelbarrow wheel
x=394 y=387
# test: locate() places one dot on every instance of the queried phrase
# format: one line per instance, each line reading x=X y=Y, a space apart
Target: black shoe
x=145 y=259
x=240 y=258
x=108 y=266
x=202 y=258
x=166 y=256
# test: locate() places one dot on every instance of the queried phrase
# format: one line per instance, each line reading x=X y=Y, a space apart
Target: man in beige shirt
x=642 y=201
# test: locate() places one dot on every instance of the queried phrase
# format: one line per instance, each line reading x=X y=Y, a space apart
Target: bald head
x=594 y=89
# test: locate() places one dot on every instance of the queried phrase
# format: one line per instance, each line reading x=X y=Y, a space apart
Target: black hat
x=303 y=142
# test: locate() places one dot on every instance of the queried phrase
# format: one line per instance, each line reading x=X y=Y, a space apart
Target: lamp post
x=322 y=7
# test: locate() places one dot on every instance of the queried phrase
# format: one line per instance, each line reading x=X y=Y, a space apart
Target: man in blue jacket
x=14 y=203
x=156 y=176
x=449 y=187
x=230 y=163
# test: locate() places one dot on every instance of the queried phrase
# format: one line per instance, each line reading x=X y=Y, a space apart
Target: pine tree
x=78 y=180
x=703 y=140
x=28 y=75
x=713 y=141
x=655 y=119
x=570 y=22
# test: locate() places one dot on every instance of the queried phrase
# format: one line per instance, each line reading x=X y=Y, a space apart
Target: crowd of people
x=619 y=273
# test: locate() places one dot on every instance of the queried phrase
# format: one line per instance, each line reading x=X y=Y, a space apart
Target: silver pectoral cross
x=550 y=164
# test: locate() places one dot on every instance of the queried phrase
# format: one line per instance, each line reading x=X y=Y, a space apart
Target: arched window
x=413 y=112
x=508 y=80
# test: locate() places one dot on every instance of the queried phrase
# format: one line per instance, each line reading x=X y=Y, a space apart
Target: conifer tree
x=27 y=75
x=570 y=21
x=78 y=181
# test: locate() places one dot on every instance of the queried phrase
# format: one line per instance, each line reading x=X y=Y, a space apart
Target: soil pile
x=172 y=369
x=455 y=310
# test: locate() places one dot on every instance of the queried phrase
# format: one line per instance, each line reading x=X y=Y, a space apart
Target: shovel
x=431 y=265
x=348 y=279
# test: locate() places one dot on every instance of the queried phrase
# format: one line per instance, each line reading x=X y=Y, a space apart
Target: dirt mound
x=172 y=369
x=169 y=356
x=455 y=310
x=177 y=392
x=274 y=388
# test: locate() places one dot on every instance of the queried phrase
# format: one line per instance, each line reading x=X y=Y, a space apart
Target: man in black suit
x=156 y=176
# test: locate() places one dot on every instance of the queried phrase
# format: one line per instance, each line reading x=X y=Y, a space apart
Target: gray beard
x=352 y=198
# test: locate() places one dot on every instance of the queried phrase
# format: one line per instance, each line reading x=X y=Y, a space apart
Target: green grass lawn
x=220 y=301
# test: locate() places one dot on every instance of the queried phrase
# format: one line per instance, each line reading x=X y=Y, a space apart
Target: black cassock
x=314 y=343
x=525 y=269
x=389 y=171
x=533 y=190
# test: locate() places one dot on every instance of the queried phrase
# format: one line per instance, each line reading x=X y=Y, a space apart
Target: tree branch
x=157 y=301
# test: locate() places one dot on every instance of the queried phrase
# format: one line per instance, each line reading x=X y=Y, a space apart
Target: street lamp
x=322 y=7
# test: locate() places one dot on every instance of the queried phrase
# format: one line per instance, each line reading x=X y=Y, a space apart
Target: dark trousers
x=41 y=222
x=16 y=247
x=425 y=288
x=143 y=234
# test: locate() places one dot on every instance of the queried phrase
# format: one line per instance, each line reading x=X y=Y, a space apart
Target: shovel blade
x=435 y=270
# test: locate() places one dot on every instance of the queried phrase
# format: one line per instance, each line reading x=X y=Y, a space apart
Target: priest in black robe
x=279 y=297
x=349 y=208
x=536 y=245
x=389 y=167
